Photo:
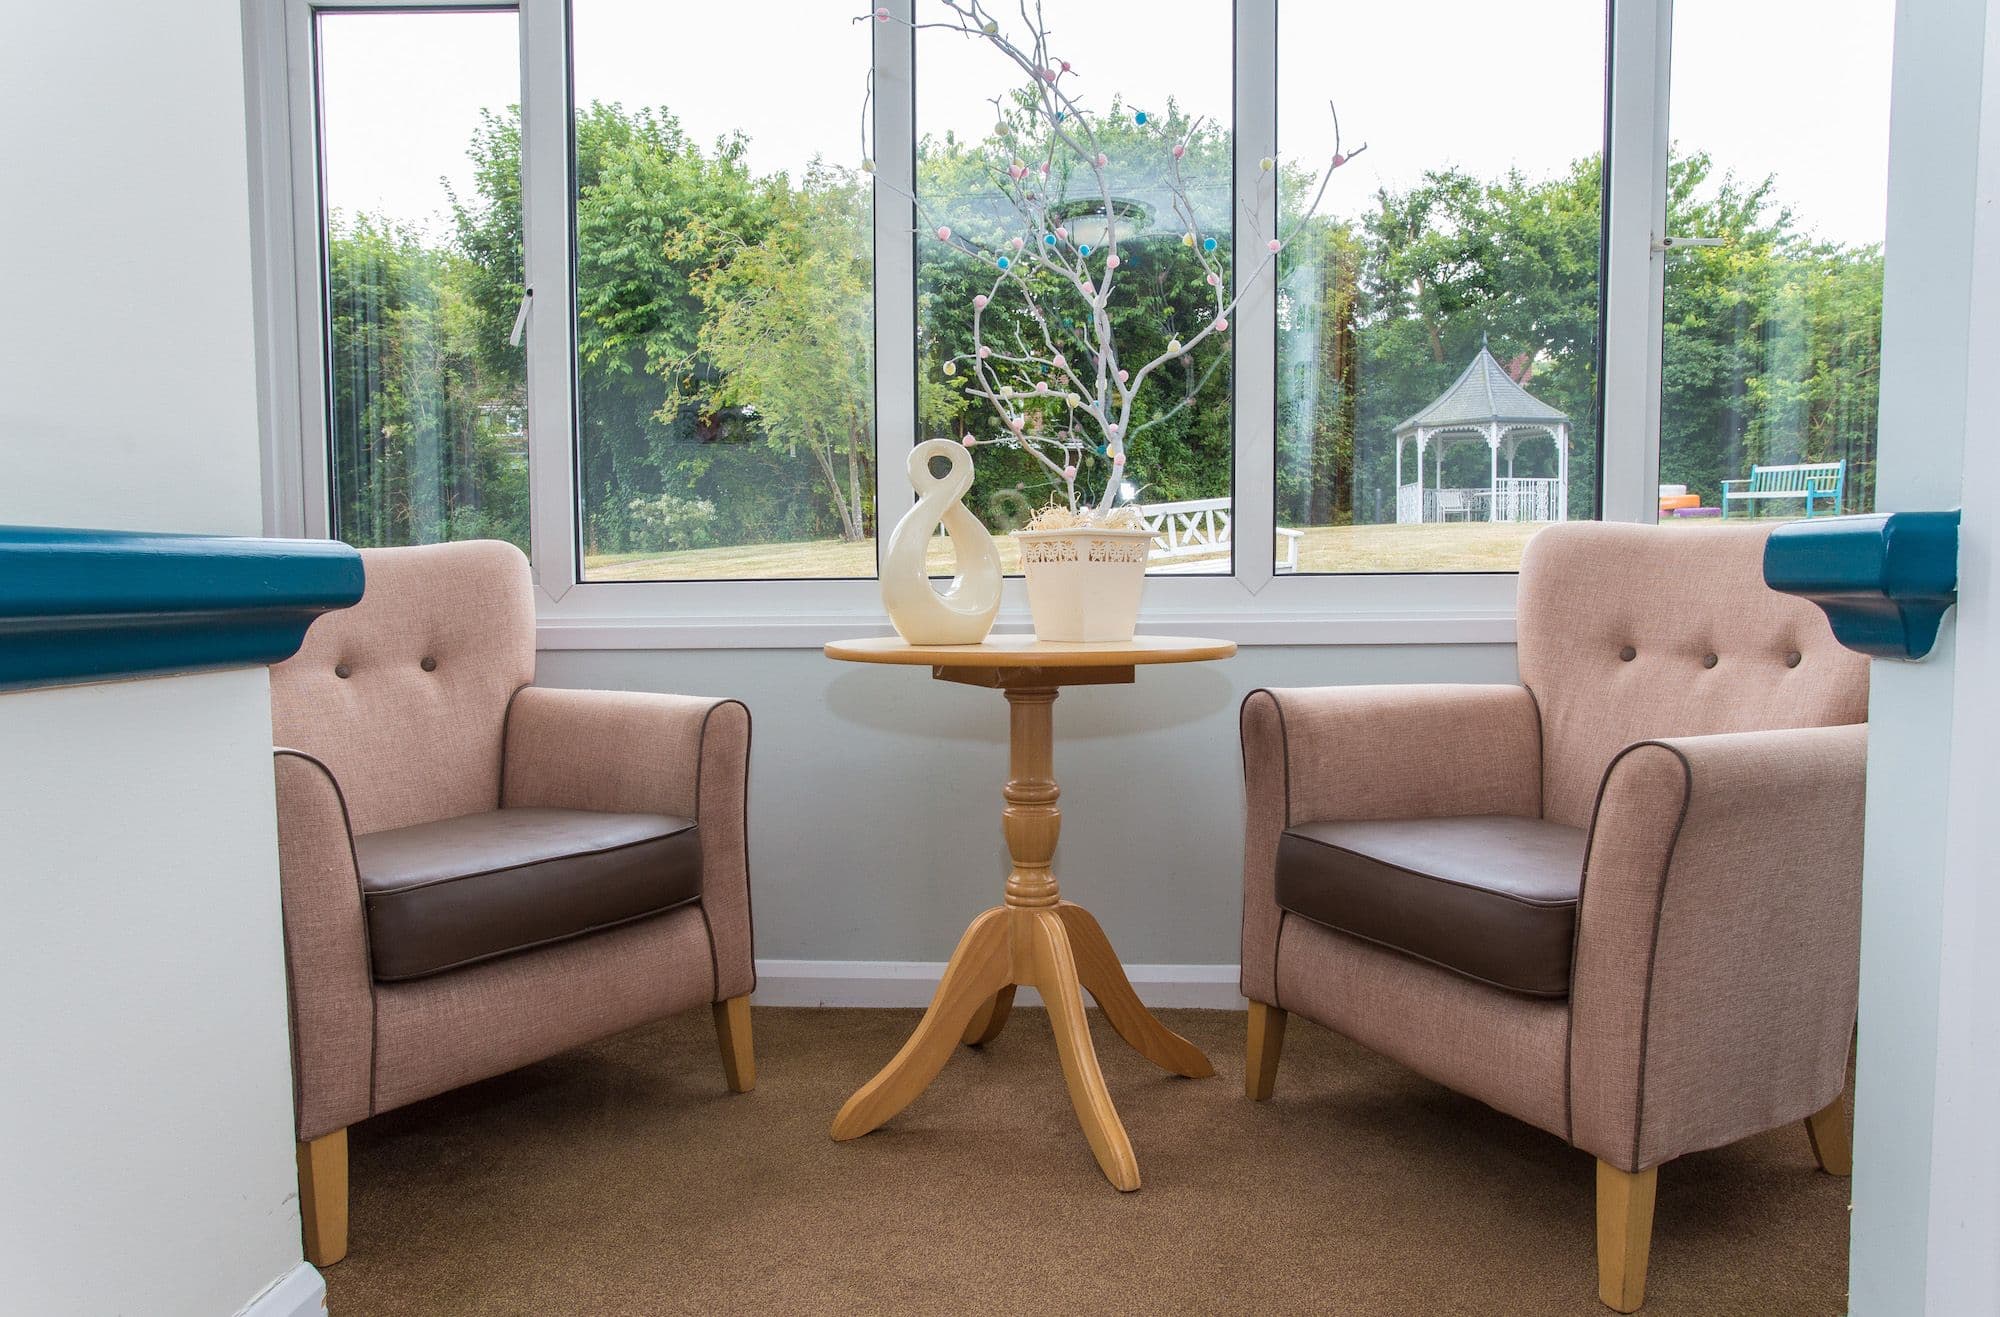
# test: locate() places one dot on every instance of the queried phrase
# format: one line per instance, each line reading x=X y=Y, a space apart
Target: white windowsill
x=1416 y=609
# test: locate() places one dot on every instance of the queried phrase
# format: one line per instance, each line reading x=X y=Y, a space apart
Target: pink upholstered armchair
x=1619 y=901
x=478 y=873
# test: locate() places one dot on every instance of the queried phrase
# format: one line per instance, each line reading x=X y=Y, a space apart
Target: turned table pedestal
x=1033 y=937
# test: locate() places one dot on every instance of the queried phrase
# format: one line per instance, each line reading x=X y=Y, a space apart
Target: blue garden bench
x=1819 y=484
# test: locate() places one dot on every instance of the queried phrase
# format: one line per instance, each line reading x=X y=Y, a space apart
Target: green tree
x=1772 y=348
x=426 y=441
x=787 y=334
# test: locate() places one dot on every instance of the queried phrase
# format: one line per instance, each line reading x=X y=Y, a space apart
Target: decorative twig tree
x=1064 y=361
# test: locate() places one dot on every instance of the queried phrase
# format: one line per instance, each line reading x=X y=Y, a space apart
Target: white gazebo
x=1484 y=404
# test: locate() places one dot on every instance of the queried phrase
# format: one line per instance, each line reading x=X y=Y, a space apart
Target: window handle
x=1675 y=244
x=521 y=319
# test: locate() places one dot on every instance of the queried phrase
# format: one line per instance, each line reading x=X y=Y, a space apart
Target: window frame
x=1252 y=605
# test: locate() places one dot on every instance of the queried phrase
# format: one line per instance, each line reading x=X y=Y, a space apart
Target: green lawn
x=1448 y=547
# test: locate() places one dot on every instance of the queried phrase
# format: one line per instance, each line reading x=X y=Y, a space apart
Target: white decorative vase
x=962 y=613
x=1084 y=584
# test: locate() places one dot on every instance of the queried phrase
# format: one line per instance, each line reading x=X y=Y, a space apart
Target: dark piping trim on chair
x=1652 y=951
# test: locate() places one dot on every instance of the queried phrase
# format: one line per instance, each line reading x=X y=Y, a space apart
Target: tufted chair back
x=404 y=696
x=1629 y=633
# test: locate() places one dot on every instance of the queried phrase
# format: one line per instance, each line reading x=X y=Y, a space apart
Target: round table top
x=1024 y=651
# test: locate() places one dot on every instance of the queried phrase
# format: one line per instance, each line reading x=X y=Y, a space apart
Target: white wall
x=1925 y=1166
x=876 y=791
x=145 y=1103
x=145 y=1110
x=127 y=385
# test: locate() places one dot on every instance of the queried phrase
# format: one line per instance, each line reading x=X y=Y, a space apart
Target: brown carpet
x=622 y=1178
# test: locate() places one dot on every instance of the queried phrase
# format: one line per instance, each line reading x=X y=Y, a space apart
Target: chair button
x=1628 y=653
x=1793 y=659
x=429 y=664
x=1709 y=660
x=342 y=671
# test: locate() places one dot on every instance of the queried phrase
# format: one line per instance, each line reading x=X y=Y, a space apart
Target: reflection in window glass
x=1144 y=84
x=725 y=296
x=1438 y=320
x=1771 y=347
x=421 y=232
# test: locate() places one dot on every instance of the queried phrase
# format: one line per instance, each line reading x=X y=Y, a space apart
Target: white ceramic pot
x=1084 y=584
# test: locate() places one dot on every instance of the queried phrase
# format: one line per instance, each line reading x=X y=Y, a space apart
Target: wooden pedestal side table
x=1035 y=937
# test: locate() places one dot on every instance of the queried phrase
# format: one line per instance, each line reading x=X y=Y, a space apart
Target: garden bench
x=1187 y=532
x=1815 y=482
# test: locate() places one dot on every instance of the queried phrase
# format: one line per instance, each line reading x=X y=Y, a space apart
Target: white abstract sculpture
x=962 y=613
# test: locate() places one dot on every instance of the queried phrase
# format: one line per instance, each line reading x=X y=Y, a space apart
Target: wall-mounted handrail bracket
x=1884 y=581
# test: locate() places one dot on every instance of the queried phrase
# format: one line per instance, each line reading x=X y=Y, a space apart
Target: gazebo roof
x=1483 y=395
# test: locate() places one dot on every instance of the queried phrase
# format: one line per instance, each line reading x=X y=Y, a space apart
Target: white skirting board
x=300 y=1292
x=911 y=982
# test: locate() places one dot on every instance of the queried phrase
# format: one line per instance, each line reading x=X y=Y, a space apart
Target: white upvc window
x=612 y=279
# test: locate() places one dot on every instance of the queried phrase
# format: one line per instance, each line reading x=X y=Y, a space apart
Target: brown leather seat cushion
x=1490 y=896
x=444 y=894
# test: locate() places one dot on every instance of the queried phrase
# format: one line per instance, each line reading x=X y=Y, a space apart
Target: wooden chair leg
x=323 y=1197
x=1264 y=1043
x=732 y=1031
x=1831 y=1144
x=1624 y=1234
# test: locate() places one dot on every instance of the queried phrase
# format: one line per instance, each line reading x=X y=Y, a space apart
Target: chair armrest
x=638 y=752
x=1368 y=752
x=1718 y=940
x=1727 y=483
x=326 y=949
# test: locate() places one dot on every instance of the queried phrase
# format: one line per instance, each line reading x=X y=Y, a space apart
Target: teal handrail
x=91 y=605
x=1884 y=581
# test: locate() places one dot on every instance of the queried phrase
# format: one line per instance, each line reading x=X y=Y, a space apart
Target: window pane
x=1438 y=316
x=1138 y=86
x=1772 y=340
x=725 y=297
x=422 y=233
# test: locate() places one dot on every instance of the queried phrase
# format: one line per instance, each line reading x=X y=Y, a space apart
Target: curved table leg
x=990 y=1019
x=1098 y=968
x=1055 y=976
x=979 y=968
